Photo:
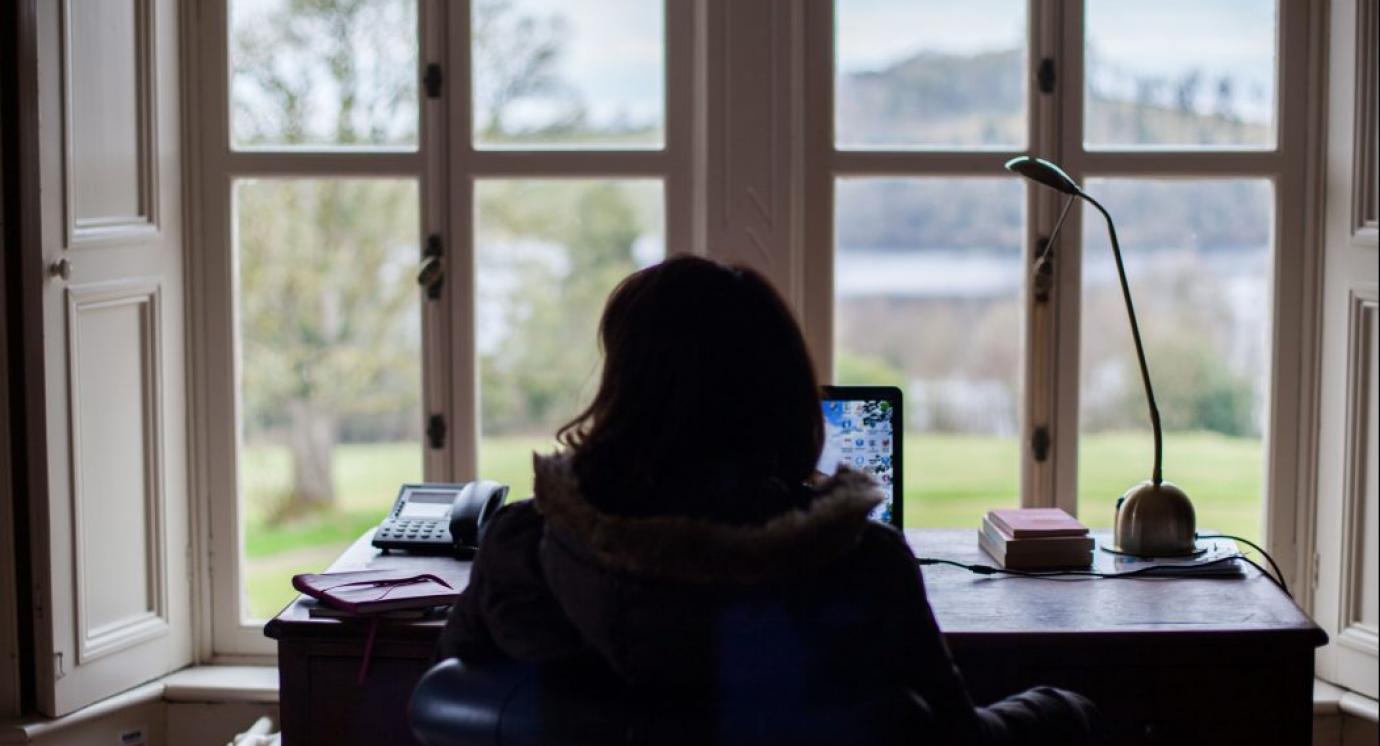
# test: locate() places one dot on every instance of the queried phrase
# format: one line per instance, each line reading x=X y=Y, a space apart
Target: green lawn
x=950 y=480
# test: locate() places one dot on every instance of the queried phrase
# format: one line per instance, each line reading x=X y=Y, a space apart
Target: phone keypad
x=414 y=531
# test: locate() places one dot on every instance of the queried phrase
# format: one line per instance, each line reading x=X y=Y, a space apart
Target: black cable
x=1279 y=584
x=1278 y=581
x=1150 y=570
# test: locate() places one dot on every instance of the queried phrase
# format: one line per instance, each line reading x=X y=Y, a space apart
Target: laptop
x=862 y=430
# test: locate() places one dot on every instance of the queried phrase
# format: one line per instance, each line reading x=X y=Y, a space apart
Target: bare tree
x=327 y=308
x=517 y=57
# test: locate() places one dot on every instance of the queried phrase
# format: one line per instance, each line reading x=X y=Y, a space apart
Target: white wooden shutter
x=9 y=644
x=112 y=602
x=1347 y=595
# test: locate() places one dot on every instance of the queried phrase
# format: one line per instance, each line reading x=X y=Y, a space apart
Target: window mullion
x=1040 y=421
x=1066 y=142
x=463 y=427
x=307 y=164
x=437 y=336
x=683 y=116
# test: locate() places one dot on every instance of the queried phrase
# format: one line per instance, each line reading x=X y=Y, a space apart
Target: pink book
x=1025 y=523
x=373 y=591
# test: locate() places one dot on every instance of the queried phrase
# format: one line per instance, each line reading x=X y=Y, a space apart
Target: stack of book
x=374 y=593
x=1035 y=539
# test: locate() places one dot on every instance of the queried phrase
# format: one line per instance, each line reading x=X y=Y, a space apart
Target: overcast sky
x=614 y=55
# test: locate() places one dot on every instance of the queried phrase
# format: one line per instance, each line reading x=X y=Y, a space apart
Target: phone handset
x=470 y=513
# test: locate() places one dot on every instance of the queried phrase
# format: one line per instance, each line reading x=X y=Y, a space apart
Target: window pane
x=930 y=74
x=548 y=252
x=330 y=73
x=928 y=282
x=329 y=333
x=569 y=73
x=1198 y=255
x=1180 y=73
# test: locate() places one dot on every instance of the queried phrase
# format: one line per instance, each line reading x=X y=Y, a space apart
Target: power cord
x=1149 y=570
x=1278 y=577
x=990 y=570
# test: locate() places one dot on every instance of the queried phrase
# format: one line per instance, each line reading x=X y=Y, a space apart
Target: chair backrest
x=515 y=704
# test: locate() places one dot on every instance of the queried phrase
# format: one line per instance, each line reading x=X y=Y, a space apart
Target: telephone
x=437 y=518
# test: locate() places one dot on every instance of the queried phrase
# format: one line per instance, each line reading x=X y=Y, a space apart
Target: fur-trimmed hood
x=816 y=610
x=696 y=550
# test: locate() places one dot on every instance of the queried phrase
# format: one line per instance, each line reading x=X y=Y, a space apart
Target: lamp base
x=1155 y=521
x=1200 y=551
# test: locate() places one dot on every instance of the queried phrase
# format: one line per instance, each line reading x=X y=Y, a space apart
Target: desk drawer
x=1151 y=694
x=321 y=702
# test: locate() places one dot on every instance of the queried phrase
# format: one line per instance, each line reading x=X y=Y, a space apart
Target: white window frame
x=446 y=166
x=1051 y=331
x=789 y=237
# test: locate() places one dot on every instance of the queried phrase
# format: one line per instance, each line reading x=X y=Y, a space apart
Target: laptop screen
x=862 y=430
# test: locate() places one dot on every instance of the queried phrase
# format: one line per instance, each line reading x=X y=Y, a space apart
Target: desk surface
x=965 y=604
x=1169 y=660
x=968 y=604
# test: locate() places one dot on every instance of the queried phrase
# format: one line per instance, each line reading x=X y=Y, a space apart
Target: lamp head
x=1044 y=172
x=1155 y=520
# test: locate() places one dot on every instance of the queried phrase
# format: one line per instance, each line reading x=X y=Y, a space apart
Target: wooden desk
x=319 y=659
x=1169 y=660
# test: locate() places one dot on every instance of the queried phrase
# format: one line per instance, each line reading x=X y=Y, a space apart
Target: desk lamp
x=1153 y=518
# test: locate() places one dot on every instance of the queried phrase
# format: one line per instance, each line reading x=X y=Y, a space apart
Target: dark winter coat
x=813 y=605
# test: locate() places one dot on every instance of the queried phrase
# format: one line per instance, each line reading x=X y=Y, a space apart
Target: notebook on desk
x=318 y=610
x=375 y=591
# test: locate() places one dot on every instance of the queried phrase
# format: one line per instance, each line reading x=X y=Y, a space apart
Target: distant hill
x=935 y=98
x=957 y=100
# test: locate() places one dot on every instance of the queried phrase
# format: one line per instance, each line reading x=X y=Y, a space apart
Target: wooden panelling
x=114 y=385
x=108 y=501
x=108 y=120
x=1357 y=616
x=1365 y=190
x=9 y=604
x=1345 y=602
x=750 y=140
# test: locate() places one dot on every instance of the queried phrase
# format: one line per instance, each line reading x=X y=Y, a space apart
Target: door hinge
x=436 y=431
x=1313 y=573
x=1045 y=75
x=432 y=80
x=1039 y=443
x=433 y=271
x=1042 y=274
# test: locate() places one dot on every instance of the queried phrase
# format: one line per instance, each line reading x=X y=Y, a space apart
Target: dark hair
x=708 y=404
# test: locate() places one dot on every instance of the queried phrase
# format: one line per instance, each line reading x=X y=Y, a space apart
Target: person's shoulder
x=513 y=521
x=886 y=542
x=882 y=559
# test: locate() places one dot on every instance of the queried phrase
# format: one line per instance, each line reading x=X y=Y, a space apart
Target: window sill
x=259 y=684
x=1329 y=699
x=222 y=684
x=31 y=727
x=217 y=684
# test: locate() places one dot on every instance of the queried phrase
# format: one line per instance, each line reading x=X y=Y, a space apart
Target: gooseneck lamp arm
x=1047 y=174
x=1158 y=475
x=1049 y=243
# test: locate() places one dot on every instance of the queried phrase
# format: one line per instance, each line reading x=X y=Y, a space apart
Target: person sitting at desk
x=676 y=544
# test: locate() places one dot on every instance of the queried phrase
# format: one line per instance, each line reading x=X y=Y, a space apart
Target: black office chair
x=516 y=704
